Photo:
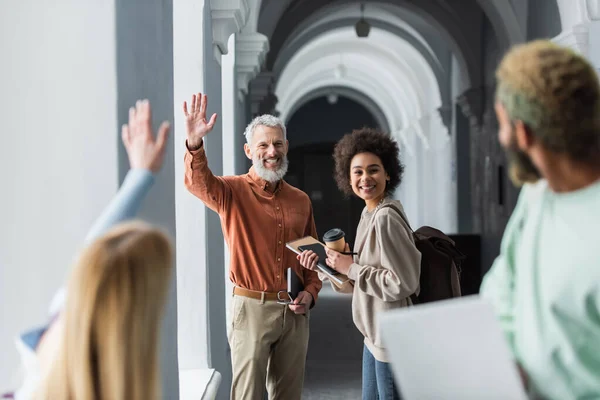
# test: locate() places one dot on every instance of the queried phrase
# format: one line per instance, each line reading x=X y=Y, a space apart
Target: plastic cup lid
x=333 y=234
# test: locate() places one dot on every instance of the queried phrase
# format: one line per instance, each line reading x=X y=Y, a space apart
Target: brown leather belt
x=266 y=296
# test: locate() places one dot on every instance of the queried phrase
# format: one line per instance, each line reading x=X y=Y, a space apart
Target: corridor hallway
x=423 y=71
x=333 y=365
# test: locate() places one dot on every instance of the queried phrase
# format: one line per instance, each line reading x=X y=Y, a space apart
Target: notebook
x=451 y=349
x=294 y=283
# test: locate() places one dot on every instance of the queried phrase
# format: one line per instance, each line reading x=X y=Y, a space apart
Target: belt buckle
x=284 y=301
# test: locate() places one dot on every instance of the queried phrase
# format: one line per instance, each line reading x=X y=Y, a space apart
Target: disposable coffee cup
x=335 y=239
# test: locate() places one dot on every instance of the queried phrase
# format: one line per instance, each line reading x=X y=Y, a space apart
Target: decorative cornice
x=445 y=113
x=471 y=105
x=593 y=9
x=261 y=85
x=228 y=16
x=250 y=52
x=260 y=88
x=576 y=38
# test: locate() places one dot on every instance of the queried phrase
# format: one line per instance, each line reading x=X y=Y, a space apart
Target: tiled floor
x=333 y=367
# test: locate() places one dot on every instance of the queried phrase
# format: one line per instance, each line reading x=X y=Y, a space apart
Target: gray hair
x=265 y=120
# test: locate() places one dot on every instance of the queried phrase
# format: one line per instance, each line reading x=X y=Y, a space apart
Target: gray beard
x=270 y=175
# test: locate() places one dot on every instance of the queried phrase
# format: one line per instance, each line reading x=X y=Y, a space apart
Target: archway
x=401 y=83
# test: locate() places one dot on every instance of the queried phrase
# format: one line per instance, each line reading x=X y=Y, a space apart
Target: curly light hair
x=555 y=92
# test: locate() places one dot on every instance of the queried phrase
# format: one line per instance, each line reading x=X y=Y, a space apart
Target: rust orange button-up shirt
x=257 y=220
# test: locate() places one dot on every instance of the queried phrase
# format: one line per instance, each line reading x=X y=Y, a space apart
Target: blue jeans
x=377 y=379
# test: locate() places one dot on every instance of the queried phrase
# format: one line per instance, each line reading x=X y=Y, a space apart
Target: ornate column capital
x=471 y=104
x=577 y=16
x=250 y=52
x=228 y=16
x=593 y=9
x=260 y=87
x=445 y=112
x=577 y=38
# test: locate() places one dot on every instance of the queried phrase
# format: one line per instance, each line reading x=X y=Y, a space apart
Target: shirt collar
x=265 y=185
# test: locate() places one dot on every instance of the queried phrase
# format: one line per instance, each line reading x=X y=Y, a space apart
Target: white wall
x=58 y=150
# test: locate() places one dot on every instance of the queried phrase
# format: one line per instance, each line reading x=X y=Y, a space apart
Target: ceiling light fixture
x=362 y=26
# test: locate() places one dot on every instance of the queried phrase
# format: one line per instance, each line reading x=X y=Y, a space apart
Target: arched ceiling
x=281 y=20
x=502 y=17
x=390 y=19
x=431 y=13
x=384 y=66
x=405 y=81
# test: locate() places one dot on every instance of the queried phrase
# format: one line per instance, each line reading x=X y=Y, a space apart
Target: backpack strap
x=393 y=206
x=413 y=297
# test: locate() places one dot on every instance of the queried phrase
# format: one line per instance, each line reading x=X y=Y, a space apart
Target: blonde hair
x=555 y=92
x=109 y=348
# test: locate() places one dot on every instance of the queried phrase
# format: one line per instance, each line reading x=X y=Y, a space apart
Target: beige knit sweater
x=384 y=273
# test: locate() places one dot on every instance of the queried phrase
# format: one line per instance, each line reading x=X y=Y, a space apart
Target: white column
x=228 y=115
x=192 y=306
x=229 y=109
x=201 y=31
x=58 y=156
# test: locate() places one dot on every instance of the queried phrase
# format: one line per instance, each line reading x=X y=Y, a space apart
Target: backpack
x=440 y=264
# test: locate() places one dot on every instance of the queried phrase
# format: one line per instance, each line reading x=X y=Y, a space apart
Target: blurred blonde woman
x=109 y=344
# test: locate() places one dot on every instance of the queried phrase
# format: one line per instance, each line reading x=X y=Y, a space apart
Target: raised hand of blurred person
x=143 y=149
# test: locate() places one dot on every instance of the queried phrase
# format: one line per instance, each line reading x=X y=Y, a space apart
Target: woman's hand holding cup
x=339 y=261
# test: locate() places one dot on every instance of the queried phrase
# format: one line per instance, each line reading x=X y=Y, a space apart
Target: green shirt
x=545 y=288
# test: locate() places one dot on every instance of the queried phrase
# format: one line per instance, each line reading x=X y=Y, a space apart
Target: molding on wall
x=576 y=38
x=260 y=87
x=228 y=16
x=471 y=104
x=250 y=52
x=593 y=9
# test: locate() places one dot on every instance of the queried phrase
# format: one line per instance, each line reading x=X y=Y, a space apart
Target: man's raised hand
x=195 y=121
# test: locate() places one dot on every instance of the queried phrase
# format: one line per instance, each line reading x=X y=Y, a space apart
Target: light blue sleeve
x=126 y=203
x=124 y=206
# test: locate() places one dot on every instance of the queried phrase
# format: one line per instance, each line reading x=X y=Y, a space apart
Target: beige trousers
x=268 y=345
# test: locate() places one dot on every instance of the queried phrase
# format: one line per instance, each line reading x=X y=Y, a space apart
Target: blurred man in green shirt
x=545 y=284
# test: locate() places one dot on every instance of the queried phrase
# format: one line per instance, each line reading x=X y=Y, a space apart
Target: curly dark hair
x=367 y=140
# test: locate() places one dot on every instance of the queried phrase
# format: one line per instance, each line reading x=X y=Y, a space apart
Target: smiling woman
x=385 y=269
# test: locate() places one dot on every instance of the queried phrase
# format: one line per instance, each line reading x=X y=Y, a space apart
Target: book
x=294 y=284
x=310 y=243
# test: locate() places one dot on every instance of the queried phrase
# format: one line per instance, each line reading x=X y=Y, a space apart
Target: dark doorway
x=312 y=172
x=313 y=131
